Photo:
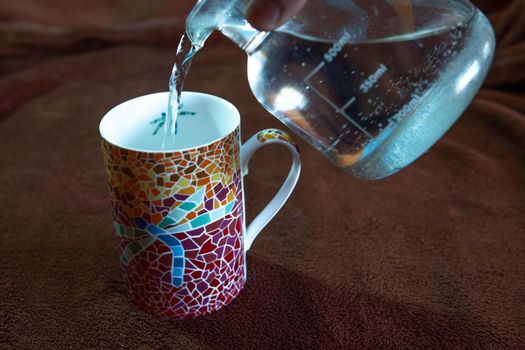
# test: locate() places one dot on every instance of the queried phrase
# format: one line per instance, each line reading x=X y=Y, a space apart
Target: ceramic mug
x=179 y=211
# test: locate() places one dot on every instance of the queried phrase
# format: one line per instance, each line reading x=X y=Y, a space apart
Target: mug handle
x=260 y=139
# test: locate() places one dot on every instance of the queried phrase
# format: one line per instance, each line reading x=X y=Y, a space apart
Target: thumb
x=269 y=14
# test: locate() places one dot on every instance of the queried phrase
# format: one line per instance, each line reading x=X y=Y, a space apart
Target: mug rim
x=235 y=115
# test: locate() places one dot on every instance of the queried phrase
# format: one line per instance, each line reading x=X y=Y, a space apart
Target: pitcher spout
x=227 y=16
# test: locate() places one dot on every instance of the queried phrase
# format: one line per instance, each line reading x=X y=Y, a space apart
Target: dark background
x=432 y=257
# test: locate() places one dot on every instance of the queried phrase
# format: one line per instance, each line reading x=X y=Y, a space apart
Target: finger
x=269 y=14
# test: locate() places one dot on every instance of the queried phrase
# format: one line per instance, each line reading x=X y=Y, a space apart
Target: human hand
x=269 y=14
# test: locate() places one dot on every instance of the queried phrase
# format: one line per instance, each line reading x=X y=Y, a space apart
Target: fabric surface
x=432 y=257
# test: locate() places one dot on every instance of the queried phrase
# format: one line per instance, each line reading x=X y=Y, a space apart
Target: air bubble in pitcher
x=370 y=84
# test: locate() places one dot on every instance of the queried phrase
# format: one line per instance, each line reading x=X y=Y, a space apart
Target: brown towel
x=433 y=257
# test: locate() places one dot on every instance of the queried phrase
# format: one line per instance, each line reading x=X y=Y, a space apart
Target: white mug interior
x=135 y=124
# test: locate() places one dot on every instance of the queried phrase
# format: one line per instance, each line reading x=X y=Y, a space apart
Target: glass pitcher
x=372 y=84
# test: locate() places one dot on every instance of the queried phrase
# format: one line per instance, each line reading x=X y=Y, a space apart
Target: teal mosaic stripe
x=203 y=220
x=129 y=232
x=150 y=233
x=179 y=213
x=134 y=248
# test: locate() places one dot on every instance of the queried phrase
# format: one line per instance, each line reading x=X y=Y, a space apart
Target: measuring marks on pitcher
x=369 y=95
x=328 y=58
x=370 y=82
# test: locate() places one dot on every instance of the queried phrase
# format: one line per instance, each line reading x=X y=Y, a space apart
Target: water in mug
x=392 y=97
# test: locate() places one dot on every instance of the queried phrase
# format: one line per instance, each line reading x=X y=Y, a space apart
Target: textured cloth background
x=433 y=257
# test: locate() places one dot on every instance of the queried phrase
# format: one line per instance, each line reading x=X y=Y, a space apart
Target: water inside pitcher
x=370 y=84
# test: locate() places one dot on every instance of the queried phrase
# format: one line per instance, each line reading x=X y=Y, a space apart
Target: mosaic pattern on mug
x=275 y=134
x=178 y=218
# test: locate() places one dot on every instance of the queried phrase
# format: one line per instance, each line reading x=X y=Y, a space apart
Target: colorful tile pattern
x=178 y=219
x=275 y=135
